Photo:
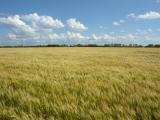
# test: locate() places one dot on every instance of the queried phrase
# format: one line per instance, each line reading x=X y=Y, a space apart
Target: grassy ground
x=79 y=84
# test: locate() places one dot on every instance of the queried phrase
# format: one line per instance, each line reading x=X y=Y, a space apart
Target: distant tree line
x=89 y=45
x=152 y=45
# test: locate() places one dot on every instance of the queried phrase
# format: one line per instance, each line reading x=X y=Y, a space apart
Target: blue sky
x=79 y=21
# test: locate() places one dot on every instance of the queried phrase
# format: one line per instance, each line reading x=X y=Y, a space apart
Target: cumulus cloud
x=147 y=16
x=42 y=22
x=34 y=27
x=76 y=25
x=31 y=26
x=17 y=24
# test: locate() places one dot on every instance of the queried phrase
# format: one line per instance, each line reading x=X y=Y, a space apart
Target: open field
x=79 y=84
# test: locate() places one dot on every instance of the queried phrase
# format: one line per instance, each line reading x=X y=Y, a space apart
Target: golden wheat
x=79 y=84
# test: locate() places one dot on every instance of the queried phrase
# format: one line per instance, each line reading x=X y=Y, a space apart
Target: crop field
x=79 y=84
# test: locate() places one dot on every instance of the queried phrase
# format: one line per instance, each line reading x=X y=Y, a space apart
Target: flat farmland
x=80 y=83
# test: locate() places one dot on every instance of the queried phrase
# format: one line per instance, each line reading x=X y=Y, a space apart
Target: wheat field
x=79 y=84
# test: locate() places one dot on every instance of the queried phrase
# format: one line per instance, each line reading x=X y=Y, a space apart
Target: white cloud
x=12 y=36
x=54 y=36
x=102 y=37
x=128 y=39
x=17 y=24
x=123 y=39
x=19 y=37
x=67 y=36
x=94 y=37
x=118 y=23
x=76 y=25
x=31 y=26
x=42 y=22
x=98 y=39
x=147 y=16
x=132 y=15
x=107 y=37
x=74 y=36
x=36 y=27
x=49 y=36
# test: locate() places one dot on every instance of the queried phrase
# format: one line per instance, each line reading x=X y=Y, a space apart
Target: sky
x=41 y=22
